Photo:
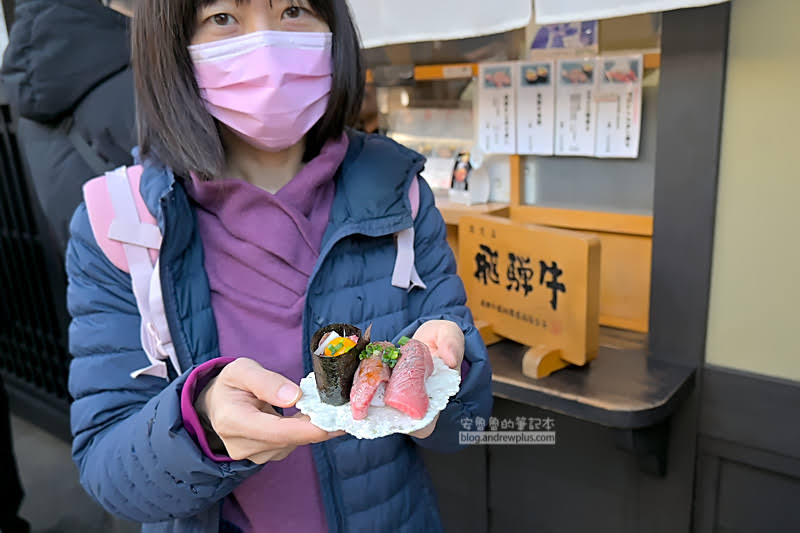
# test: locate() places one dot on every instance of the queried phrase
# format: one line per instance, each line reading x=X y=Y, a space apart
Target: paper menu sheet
x=619 y=106
x=575 y=109
x=497 y=130
x=535 y=108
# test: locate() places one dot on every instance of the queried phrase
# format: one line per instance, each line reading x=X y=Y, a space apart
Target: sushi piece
x=372 y=373
x=334 y=352
x=406 y=389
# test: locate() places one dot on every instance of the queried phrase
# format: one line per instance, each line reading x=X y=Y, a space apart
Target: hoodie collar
x=371 y=187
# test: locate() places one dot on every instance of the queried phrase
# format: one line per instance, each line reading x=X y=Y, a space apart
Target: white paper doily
x=380 y=421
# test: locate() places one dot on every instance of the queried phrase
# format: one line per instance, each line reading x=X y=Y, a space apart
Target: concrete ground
x=54 y=500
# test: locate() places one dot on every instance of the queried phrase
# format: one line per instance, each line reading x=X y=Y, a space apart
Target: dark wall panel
x=460 y=482
x=748 y=475
x=582 y=483
x=755 y=411
x=752 y=499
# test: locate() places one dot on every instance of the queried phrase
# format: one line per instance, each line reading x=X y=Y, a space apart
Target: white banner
x=384 y=22
x=552 y=11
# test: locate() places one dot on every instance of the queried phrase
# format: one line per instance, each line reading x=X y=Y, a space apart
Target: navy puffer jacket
x=134 y=455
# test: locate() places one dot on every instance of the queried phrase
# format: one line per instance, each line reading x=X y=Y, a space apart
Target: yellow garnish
x=339 y=347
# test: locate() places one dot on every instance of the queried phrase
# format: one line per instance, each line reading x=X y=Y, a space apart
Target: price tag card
x=619 y=106
x=536 y=96
x=497 y=129
x=575 y=119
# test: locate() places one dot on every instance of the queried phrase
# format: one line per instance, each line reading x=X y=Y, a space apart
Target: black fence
x=33 y=320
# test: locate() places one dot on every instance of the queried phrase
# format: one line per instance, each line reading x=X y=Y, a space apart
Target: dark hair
x=174 y=125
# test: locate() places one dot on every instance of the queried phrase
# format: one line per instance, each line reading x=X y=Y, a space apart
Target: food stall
x=625 y=409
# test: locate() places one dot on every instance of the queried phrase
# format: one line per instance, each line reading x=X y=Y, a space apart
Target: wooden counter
x=452 y=212
x=622 y=388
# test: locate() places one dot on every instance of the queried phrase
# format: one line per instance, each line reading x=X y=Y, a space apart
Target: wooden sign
x=535 y=285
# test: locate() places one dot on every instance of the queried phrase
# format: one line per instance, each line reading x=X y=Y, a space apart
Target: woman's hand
x=237 y=405
x=446 y=341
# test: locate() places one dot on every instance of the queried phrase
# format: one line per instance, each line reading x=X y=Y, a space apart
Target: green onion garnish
x=403 y=340
x=390 y=356
x=335 y=347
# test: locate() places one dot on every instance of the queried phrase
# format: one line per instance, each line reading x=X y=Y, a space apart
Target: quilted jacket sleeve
x=445 y=299
x=130 y=446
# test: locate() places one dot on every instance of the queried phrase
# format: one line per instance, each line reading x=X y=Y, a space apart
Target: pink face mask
x=270 y=87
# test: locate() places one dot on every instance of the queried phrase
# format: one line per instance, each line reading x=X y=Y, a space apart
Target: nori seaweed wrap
x=334 y=375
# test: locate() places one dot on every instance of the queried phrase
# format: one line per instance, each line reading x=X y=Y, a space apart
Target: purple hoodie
x=260 y=250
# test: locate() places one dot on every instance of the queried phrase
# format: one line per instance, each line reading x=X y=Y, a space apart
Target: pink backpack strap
x=129 y=236
x=413 y=197
x=97 y=197
x=405 y=274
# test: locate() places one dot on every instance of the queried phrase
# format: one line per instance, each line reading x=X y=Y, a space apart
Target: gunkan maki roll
x=334 y=351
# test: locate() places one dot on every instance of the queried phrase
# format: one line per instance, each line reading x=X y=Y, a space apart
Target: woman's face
x=223 y=19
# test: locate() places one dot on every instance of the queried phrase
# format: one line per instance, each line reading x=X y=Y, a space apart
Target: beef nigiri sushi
x=372 y=374
x=406 y=389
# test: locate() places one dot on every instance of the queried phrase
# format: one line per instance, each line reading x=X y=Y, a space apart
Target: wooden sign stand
x=538 y=361
x=541 y=361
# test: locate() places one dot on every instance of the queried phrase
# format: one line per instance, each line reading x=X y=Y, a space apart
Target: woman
x=276 y=220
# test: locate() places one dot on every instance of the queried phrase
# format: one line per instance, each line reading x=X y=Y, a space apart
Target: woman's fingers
x=275 y=455
x=247 y=422
x=445 y=339
x=240 y=449
x=240 y=408
x=248 y=433
x=449 y=351
x=239 y=404
x=296 y=431
x=331 y=434
x=267 y=386
x=253 y=450
x=425 y=432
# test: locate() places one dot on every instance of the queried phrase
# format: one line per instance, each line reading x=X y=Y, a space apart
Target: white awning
x=3 y=35
x=384 y=22
x=552 y=11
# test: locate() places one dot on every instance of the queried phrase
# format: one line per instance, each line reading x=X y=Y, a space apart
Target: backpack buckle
x=163 y=348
